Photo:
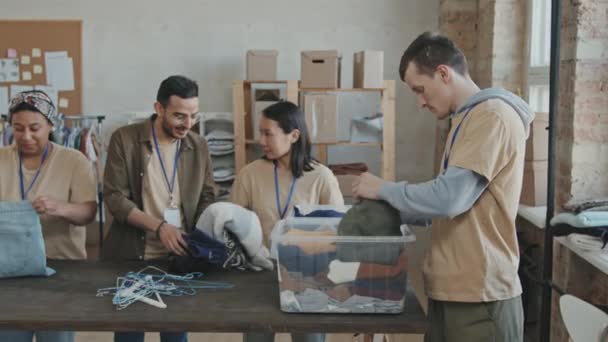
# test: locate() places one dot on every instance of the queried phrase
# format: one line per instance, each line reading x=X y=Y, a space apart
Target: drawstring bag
x=22 y=250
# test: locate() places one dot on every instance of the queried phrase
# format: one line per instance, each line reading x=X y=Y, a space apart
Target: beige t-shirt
x=156 y=197
x=66 y=175
x=474 y=257
x=254 y=189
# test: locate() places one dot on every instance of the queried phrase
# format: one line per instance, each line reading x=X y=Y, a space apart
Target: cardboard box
x=262 y=65
x=534 y=187
x=368 y=69
x=321 y=113
x=346 y=184
x=537 y=145
x=321 y=69
x=258 y=107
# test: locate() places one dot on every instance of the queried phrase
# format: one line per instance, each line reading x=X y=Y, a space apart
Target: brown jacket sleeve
x=116 y=189
x=208 y=193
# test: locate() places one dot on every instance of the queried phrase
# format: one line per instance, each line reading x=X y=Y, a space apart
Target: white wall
x=130 y=46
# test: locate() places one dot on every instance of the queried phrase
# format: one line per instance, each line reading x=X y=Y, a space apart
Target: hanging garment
x=8 y=136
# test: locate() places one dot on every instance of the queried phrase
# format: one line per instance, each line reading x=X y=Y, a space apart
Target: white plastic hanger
x=135 y=292
x=584 y=322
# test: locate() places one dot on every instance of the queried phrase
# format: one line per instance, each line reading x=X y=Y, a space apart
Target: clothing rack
x=3 y=125
x=548 y=284
x=99 y=119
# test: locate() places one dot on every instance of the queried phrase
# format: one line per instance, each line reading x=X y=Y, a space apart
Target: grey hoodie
x=456 y=190
x=521 y=107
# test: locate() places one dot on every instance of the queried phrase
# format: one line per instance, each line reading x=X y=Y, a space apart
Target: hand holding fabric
x=172 y=239
x=367 y=186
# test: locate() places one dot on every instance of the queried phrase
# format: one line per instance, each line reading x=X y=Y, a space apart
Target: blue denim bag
x=22 y=250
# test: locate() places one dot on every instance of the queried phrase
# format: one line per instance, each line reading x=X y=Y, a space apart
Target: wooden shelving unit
x=243 y=126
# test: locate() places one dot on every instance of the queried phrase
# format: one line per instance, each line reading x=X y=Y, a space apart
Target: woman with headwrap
x=59 y=182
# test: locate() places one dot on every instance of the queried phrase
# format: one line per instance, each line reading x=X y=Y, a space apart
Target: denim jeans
x=41 y=336
x=22 y=250
x=269 y=337
x=139 y=337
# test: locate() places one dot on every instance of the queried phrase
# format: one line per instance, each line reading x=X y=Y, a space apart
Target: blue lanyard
x=276 y=188
x=447 y=154
x=23 y=191
x=171 y=185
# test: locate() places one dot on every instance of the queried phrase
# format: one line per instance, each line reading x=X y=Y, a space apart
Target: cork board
x=27 y=38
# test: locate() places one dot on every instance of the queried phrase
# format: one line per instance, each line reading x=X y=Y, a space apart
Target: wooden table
x=68 y=301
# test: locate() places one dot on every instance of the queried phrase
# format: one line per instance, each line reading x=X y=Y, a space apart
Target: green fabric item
x=370 y=218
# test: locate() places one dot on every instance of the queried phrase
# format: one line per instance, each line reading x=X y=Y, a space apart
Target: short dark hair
x=290 y=117
x=429 y=50
x=177 y=85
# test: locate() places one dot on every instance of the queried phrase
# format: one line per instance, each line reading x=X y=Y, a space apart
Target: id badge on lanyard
x=172 y=214
x=173 y=217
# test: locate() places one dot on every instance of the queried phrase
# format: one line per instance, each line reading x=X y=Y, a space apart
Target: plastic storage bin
x=321 y=272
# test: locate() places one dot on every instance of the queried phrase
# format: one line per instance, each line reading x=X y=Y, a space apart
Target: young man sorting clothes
x=470 y=270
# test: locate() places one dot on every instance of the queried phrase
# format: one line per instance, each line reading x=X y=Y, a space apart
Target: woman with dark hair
x=286 y=175
x=59 y=182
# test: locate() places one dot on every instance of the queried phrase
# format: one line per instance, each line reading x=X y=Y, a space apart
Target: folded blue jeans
x=22 y=250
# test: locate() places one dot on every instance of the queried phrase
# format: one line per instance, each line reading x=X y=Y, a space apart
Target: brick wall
x=509 y=45
x=485 y=47
x=582 y=131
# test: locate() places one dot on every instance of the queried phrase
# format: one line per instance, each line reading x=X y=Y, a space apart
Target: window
x=539 y=38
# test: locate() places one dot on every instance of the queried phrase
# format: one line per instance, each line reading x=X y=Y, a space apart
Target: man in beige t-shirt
x=470 y=270
x=158 y=178
x=157 y=182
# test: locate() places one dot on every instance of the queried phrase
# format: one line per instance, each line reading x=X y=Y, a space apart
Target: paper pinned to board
x=36 y=53
x=51 y=92
x=4 y=100
x=56 y=54
x=59 y=70
x=9 y=70
x=38 y=69
x=25 y=60
x=11 y=53
x=64 y=103
x=27 y=76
